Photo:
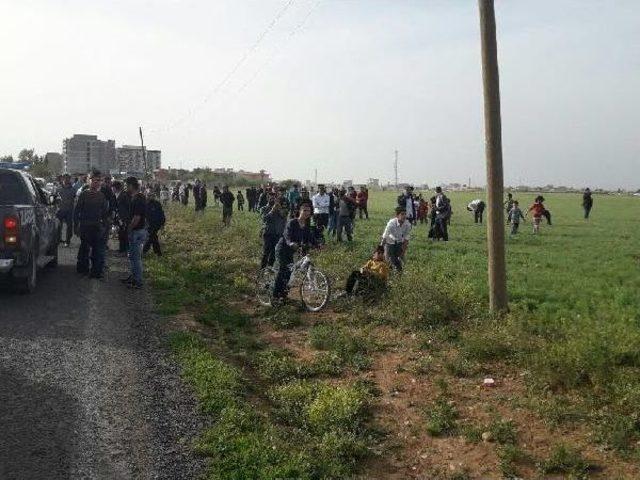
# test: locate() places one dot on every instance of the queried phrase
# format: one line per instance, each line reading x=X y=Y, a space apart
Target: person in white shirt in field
x=321 y=202
x=395 y=238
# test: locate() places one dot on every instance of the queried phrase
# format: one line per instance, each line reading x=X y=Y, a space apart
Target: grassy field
x=392 y=389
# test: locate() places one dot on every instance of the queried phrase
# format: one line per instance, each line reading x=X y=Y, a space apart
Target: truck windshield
x=13 y=191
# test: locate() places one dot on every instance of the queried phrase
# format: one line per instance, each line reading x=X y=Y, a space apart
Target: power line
x=233 y=70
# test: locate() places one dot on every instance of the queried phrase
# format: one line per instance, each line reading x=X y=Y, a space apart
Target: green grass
x=572 y=328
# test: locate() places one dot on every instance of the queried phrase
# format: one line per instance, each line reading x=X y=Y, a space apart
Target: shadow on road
x=37 y=424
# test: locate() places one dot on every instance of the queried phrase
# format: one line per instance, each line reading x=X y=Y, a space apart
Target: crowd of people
x=93 y=207
x=292 y=219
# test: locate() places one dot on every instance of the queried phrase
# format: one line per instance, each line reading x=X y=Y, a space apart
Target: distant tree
x=27 y=155
x=40 y=169
x=288 y=183
x=7 y=159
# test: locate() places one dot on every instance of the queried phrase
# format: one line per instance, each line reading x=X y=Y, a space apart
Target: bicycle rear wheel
x=264 y=286
x=315 y=290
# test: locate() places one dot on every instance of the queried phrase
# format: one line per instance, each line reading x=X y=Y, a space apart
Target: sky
x=292 y=86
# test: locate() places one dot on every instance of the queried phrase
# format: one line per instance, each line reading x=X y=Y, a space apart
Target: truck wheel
x=28 y=284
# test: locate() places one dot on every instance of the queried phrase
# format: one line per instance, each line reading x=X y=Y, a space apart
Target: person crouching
x=372 y=277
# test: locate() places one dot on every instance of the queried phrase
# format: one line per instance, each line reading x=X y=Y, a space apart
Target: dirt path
x=87 y=388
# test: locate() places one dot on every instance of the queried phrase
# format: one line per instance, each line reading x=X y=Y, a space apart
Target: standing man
x=107 y=190
x=346 y=206
x=362 y=199
x=321 y=203
x=197 y=195
x=395 y=238
x=274 y=220
x=587 y=202
x=227 y=199
x=90 y=220
x=443 y=214
x=477 y=206
x=155 y=220
x=67 y=196
x=293 y=197
x=405 y=200
x=122 y=215
x=137 y=232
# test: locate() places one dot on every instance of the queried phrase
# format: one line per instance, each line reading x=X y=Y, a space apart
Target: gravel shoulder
x=87 y=385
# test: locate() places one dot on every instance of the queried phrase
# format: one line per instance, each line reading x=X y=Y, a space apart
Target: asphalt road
x=87 y=386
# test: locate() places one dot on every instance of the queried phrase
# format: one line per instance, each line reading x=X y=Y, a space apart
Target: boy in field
x=515 y=215
x=372 y=277
x=538 y=211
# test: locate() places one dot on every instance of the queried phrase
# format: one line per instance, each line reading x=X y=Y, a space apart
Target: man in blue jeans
x=137 y=232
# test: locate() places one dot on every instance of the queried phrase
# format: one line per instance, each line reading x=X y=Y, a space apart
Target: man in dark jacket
x=227 y=198
x=122 y=215
x=587 y=202
x=111 y=198
x=90 y=219
x=297 y=234
x=155 y=222
x=67 y=196
x=274 y=220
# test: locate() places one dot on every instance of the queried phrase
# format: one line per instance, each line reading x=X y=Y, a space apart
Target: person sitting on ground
x=395 y=238
x=372 y=277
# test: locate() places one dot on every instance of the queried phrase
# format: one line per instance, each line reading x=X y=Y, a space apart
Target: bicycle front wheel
x=264 y=286
x=315 y=290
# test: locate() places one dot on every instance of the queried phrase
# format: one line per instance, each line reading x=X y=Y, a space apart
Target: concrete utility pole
x=395 y=168
x=493 y=150
x=144 y=155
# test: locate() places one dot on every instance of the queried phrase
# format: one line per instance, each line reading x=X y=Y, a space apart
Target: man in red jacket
x=362 y=198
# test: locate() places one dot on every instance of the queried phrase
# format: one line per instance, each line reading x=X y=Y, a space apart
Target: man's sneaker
x=96 y=275
x=135 y=285
x=127 y=280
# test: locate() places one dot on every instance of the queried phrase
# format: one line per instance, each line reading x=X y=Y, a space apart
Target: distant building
x=55 y=162
x=82 y=153
x=373 y=183
x=130 y=159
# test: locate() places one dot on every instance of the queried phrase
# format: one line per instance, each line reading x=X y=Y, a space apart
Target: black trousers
x=66 y=218
x=477 y=215
x=547 y=215
x=152 y=241
x=587 y=211
x=441 y=229
x=363 y=209
x=285 y=259
x=269 y=242
x=91 y=248
x=123 y=238
x=367 y=284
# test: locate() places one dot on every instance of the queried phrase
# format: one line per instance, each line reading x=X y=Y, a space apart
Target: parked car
x=29 y=229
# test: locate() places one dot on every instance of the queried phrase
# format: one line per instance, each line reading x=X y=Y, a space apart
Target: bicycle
x=313 y=284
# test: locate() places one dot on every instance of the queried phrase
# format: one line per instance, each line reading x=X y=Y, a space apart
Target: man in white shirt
x=395 y=238
x=477 y=207
x=321 y=202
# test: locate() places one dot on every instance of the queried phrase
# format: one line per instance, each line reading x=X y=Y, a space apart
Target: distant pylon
x=395 y=168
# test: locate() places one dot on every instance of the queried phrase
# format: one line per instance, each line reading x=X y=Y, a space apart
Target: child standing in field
x=538 y=211
x=240 y=200
x=372 y=277
x=515 y=215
